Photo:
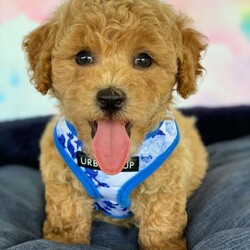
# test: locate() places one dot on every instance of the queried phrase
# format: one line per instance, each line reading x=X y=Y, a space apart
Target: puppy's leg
x=161 y=224
x=161 y=216
x=68 y=207
x=69 y=214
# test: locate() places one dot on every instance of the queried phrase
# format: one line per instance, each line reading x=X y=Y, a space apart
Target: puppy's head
x=113 y=66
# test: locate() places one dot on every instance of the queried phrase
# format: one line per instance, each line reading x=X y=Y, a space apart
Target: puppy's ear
x=39 y=45
x=192 y=45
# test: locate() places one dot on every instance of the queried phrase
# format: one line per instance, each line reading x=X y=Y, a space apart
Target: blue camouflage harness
x=112 y=192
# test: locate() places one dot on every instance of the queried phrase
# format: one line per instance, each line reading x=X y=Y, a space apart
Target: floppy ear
x=189 y=67
x=39 y=45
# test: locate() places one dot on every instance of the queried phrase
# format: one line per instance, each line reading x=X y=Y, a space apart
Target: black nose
x=111 y=99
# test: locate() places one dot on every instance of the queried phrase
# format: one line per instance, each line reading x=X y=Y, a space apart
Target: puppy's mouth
x=94 y=124
x=110 y=144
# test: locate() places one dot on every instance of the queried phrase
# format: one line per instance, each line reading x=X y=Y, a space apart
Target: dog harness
x=112 y=192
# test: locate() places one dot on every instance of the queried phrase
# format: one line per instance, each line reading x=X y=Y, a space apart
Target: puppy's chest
x=112 y=192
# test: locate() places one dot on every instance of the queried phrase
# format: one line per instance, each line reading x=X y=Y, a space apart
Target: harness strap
x=112 y=192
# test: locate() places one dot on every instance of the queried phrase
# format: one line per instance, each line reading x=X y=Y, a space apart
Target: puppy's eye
x=143 y=60
x=84 y=58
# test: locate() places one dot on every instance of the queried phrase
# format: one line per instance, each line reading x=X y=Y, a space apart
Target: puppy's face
x=112 y=65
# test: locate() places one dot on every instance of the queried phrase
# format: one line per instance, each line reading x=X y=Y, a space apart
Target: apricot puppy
x=118 y=151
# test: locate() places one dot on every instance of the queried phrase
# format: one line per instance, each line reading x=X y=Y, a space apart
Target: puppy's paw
x=65 y=234
x=170 y=245
x=55 y=236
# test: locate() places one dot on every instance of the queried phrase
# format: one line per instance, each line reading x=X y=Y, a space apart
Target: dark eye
x=143 y=60
x=84 y=57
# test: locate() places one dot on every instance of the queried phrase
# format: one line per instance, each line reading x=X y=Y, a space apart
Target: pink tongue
x=111 y=146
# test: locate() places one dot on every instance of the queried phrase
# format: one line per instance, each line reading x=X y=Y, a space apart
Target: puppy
x=118 y=152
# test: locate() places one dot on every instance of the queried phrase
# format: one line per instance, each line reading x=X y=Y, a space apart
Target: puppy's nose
x=111 y=99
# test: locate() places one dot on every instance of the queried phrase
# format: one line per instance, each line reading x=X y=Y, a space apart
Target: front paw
x=179 y=244
x=65 y=234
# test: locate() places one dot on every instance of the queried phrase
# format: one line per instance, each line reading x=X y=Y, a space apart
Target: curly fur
x=116 y=31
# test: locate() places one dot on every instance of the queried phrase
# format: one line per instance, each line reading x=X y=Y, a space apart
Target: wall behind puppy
x=227 y=61
x=18 y=98
x=226 y=23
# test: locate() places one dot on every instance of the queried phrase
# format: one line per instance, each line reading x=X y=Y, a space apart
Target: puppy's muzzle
x=111 y=100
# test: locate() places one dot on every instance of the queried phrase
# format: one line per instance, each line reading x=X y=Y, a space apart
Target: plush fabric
x=219 y=211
